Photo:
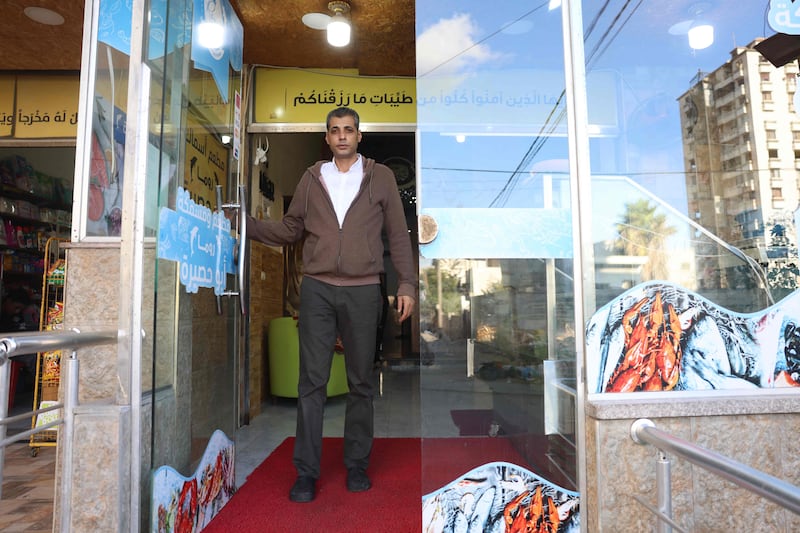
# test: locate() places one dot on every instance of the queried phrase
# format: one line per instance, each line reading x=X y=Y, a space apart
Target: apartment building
x=741 y=147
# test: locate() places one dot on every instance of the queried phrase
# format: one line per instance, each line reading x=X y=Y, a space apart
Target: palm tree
x=643 y=232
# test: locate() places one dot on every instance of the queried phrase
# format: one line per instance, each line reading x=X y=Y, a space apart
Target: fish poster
x=661 y=337
x=187 y=504
x=501 y=497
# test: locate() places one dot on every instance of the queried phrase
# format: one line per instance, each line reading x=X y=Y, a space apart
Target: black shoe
x=357 y=480
x=303 y=490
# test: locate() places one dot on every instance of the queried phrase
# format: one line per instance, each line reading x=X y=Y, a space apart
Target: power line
x=539 y=141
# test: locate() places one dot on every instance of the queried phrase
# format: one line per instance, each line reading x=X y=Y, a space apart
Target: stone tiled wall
x=266 y=303
x=757 y=431
x=91 y=301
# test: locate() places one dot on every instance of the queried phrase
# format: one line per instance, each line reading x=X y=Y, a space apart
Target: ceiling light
x=696 y=28
x=701 y=36
x=211 y=35
x=338 y=29
x=44 y=16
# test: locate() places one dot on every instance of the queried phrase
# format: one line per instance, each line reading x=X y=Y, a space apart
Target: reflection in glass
x=497 y=321
x=104 y=201
x=190 y=352
x=489 y=344
x=708 y=128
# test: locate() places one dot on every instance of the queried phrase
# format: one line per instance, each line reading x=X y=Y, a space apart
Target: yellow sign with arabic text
x=7 y=84
x=46 y=107
x=206 y=164
x=305 y=97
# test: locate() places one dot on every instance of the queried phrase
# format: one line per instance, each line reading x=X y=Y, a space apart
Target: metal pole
x=70 y=402
x=5 y=387
x=664 y=491
x=470 y=357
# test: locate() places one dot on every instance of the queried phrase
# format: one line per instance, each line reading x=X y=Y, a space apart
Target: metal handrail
x=644 y=431
x=13 y=344
x=16 y=344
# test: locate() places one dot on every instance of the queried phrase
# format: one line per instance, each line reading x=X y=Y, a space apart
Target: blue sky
x=507 y=56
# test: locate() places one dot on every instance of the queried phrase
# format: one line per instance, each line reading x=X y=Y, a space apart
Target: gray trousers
x=353 y=312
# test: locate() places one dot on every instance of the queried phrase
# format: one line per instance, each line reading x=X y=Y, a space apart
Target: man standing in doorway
x=341 y=207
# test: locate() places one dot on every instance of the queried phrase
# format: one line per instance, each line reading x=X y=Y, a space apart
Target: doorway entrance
x=288 y=155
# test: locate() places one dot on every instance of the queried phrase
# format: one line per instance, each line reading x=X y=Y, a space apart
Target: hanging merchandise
x=265 y=185
x=48 y=364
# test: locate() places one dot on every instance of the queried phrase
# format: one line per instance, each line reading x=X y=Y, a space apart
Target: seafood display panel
x=661 y=337
x=187 y=504
x=501 y=497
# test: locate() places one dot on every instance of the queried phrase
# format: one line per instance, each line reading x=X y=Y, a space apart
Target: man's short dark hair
x=341 y=112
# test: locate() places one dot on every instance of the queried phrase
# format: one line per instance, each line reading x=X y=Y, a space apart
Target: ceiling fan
x=336 y=25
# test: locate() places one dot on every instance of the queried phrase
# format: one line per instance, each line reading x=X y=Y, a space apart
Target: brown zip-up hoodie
x=353 y=254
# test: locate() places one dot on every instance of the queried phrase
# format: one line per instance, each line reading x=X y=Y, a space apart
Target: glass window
x=695 y=120
x=497 y=350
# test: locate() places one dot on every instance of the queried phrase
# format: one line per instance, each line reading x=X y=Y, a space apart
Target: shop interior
x=35 y=208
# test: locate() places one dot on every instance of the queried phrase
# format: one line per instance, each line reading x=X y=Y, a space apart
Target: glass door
x=193 y=381
x=498 y=355
x=165 y=155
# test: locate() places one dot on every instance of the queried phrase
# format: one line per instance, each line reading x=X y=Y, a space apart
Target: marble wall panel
x=92 y=287
x=618 y=468
x=751 y=440
x=91 y=303
x=96 y=453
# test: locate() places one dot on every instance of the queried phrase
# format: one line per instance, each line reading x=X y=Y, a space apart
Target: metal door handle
x=240 y=253
x=242 y=256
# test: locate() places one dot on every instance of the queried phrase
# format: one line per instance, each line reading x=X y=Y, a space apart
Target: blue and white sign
x=216 y=18
x=167 y=27
x=784 y=16
x=199 y=240
x=508 y=233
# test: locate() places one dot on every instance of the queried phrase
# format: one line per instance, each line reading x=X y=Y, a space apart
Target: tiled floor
x=28 y=485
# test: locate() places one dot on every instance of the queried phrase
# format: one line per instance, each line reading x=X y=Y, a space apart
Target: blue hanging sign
x=216 y=57
x=167 y=28
x=199 y=240
x=784 y=16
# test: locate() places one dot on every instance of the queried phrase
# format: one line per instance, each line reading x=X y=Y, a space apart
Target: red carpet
x=392 y=505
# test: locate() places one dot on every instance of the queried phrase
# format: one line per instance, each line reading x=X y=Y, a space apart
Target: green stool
x=284 y=361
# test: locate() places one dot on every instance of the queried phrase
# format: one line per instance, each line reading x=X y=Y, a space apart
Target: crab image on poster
x=187 y=504
x=499 y=497
x=661 y=337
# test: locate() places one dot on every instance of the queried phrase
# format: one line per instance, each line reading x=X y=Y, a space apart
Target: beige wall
x=91 y=303
x=266 y=303
x=757 y=431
